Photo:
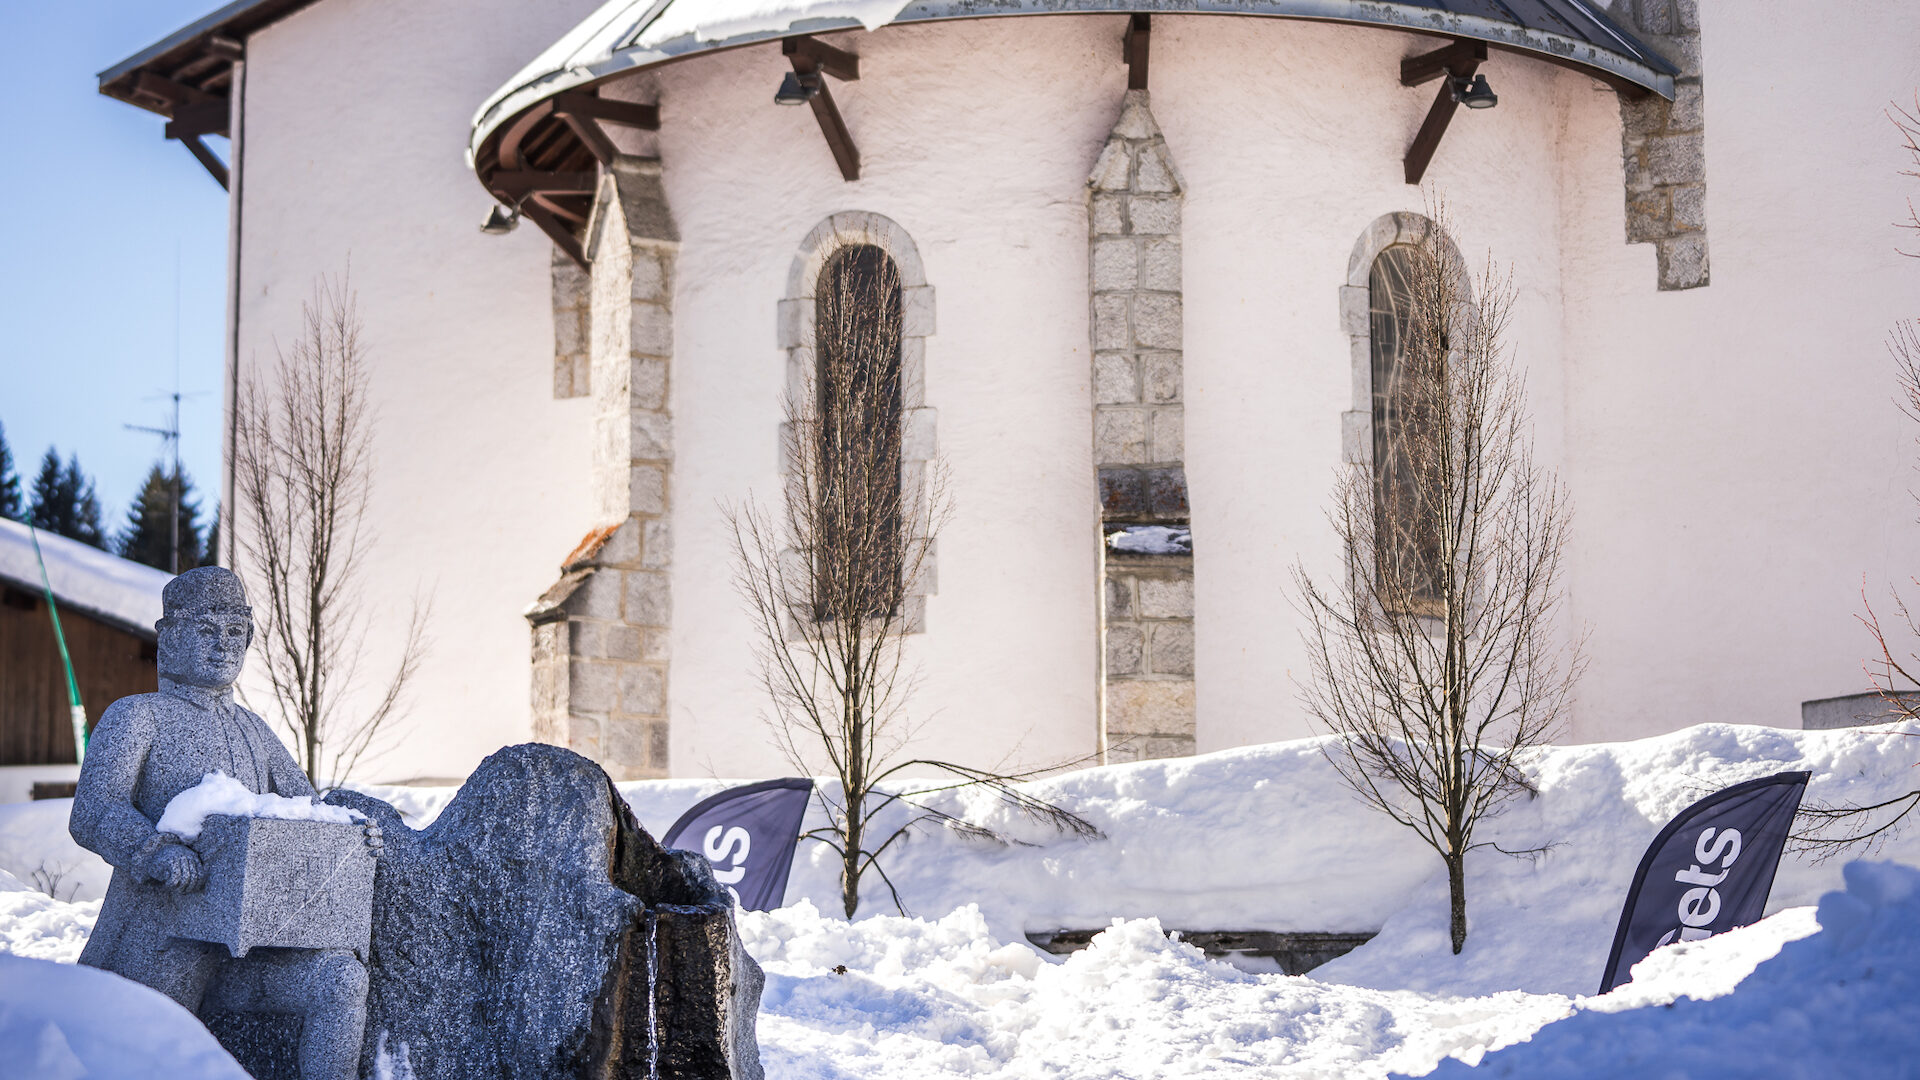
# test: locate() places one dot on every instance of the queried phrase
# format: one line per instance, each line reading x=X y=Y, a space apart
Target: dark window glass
x=1406 y=537
x=857 y=326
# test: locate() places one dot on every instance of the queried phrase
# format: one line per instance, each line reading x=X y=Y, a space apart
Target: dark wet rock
x=534 y=930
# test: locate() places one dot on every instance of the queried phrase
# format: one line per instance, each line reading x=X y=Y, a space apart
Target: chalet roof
x=102 y=586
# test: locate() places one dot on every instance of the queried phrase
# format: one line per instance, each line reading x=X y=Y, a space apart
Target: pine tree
x=64 y=501
x=12 y=506
x=146 y=538
x=211 y=557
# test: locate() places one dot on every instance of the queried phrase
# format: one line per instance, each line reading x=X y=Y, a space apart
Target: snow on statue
x=148 y=749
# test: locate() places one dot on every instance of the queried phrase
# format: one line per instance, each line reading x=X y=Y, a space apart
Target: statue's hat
x=205 y=590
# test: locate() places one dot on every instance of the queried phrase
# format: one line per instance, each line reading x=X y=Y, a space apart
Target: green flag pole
x=76 y=710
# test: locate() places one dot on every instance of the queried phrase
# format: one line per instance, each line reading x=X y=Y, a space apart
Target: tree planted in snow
x=303 y=473
x=163 y=524
x=1435 y=656
x=827 y=579
x=64 y=502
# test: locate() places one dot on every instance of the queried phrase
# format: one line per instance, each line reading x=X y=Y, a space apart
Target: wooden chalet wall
x=108 y=662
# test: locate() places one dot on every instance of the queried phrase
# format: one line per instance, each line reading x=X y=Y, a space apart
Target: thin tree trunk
x=1457 y=897
x=850 y=858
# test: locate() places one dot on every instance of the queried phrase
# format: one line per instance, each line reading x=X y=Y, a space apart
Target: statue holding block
x=255 y=915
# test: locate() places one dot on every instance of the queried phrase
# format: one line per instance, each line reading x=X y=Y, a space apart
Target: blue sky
x=101 y=204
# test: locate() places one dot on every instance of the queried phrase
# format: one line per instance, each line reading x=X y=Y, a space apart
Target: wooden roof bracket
x=584 y=113
x=1134 y=48
x=1457 y=61
x=810 y=57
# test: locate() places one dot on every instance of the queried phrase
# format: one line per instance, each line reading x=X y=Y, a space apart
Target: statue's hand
x=376 y=842
x=173 y=865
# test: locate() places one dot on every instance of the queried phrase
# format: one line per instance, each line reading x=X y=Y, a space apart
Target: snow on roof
x=84 y=578
x=624 y=35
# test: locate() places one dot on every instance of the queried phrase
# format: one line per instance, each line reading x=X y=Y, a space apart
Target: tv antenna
x=170 y=435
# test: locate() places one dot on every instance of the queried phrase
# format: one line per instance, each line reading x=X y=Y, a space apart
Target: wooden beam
x=1134 y=47
x=809 y=57
x=1461 y=56
x=513 y=186
x=200 y=118
x=631 y=114
x=164 y=89
x=839 y=139
x=817 y=56
x=207 y=158
x=556 y=231
x=1420 y=154
x=587 y=130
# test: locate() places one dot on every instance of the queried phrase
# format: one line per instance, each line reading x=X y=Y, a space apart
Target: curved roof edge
x=615 y=39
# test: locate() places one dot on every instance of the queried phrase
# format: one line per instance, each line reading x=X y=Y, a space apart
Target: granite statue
x=149 y=748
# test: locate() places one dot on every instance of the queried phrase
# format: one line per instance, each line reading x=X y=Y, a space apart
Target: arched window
x=857 y=347
x=854 y=324
x=1406 y=528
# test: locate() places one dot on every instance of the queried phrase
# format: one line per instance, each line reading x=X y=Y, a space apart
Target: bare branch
x=303 y=477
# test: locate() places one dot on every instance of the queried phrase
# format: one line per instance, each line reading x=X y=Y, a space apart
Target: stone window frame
x=795 y=336
x=1400 y=227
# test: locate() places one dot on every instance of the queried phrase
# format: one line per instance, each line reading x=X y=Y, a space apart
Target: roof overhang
x=187 y=76
x=519 y=134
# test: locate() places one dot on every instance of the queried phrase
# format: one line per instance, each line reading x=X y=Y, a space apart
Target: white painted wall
x=1734 y=458
x=357 y=113
x=1738 y=461
x=1290 y=136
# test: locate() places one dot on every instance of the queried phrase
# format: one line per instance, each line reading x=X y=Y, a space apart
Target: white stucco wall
x=357 y=113
x=1735 y=452
x=1290 y=136
x=1735 y=462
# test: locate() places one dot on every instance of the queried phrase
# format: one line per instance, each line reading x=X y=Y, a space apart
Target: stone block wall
x=572 y=328
x=1148 y=656
x=1663 y=146
x=601 y=633
x=1139 y=438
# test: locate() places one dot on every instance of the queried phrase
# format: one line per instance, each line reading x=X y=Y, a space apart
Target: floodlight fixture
x=1473 y=93
x=798 y=88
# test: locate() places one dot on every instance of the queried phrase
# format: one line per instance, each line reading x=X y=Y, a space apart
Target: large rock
x=536 y=931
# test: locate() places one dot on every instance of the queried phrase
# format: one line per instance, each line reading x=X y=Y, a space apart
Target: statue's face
x=206 y=649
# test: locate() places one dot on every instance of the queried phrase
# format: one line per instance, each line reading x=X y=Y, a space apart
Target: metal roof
x=628 y=35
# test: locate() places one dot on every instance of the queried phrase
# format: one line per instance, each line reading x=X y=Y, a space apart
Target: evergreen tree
x=64 y=501
x=146 y=537
x=11 y=504
x=212 y=555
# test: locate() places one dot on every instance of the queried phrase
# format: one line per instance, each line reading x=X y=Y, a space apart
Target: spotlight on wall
x=500 y=220
x=798 y=88
x=1474 y=93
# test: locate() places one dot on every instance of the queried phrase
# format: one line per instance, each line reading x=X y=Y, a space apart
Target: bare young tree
x=303 y=468
x=827 y=580
x=1435 y=658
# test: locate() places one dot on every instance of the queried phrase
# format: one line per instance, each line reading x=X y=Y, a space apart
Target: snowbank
x=1843 y=1002
x=889 y=997
x=64 y=1022
x=218 y=793
x=35 y=924
x=1266 y=838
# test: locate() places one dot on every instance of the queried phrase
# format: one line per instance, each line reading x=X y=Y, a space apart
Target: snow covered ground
x=1264 y=838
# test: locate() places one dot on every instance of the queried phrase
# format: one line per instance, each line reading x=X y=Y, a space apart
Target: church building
x=1138 y=248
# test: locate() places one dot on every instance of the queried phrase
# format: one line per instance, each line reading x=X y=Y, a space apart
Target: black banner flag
x=1708 y=871
x=748 y=834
